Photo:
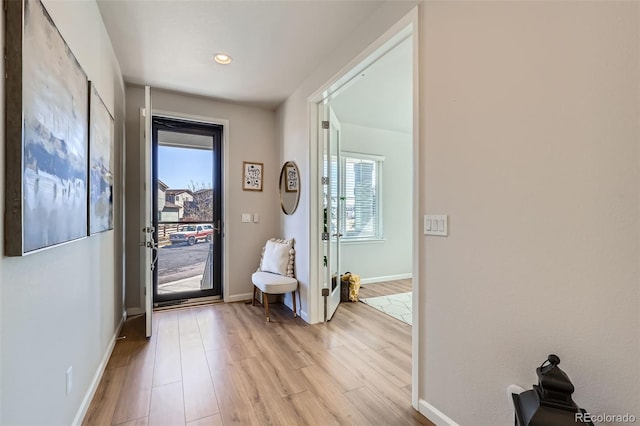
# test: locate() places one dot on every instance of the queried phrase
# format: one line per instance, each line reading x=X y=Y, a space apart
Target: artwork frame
x=47 y=115
x=293 y=182
x=252 y=176
x=101 y=163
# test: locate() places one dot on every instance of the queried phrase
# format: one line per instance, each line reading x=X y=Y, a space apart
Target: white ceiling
x=381 y=97
x=275 y=45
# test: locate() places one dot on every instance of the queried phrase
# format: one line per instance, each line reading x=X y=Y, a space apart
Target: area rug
x=396 y=305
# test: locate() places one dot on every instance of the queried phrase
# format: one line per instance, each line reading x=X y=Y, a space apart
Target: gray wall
x=529 y=139
x=390 y=258
x=251 y=137
x=61 y=307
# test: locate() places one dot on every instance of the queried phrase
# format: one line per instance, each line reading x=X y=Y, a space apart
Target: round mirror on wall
x=289 y=187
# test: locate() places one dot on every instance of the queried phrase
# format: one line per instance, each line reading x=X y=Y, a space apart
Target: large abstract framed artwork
x=101 y=133
x=47 y=134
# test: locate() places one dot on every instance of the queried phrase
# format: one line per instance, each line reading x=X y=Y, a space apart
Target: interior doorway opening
x=405 y=28
x=366 y=196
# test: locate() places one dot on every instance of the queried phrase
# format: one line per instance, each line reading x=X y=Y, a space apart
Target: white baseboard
x=436 y=416
x=239 y=297
x=135 y=311
x=86 y=401
x=385 y=278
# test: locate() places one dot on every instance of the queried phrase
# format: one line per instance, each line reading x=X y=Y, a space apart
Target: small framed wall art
x=292 y=178
x=252 y=176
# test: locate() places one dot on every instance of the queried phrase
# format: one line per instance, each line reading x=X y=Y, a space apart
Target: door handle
x=150 y=244
x=336 y=235
x=218 y=228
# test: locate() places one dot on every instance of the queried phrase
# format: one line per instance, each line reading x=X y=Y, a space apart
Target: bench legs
x=265 y=302
x=293 y=297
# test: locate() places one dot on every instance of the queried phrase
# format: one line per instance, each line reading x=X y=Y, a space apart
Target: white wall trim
x=385 y=278
x=435 y=415
x=135 y=311
x=238 y=297
x=86 y=401
x=416 y=356
x=304 y=316
x=226 y=129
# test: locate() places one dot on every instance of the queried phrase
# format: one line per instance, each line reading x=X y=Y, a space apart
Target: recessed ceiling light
x=222 y=58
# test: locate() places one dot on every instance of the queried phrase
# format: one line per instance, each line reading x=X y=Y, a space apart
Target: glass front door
x=187 y=208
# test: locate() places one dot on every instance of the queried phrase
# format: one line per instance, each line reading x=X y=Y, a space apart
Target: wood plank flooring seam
x=353 y=370
x=129 y=421
x=164 y=384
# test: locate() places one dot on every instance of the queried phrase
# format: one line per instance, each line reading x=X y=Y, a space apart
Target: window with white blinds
x=360 y=195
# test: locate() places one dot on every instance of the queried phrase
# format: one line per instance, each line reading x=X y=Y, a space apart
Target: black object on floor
x=549 y=403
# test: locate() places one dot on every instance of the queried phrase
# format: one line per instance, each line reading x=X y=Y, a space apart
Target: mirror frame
x=280 y=190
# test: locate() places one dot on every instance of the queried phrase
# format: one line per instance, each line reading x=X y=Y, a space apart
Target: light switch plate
x=436 y=224
x=246 y=217
x=256 y=218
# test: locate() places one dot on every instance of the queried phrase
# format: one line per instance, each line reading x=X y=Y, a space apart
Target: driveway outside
x=176 y=262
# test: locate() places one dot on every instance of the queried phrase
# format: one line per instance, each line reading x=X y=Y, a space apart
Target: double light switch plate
x=436 y=224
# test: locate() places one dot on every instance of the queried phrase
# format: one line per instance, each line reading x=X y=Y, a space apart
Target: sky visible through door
x=183 y=167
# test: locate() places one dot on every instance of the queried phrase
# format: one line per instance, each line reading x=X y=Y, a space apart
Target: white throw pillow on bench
x=276 y=257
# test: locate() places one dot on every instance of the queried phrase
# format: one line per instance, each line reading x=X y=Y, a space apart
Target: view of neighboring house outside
x=167 y=211
x=170 y=213
x=182 y=205
x=200 y=209
x=162 y=197
x=178 y=198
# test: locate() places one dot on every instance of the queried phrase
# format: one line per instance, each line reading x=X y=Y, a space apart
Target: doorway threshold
x=185 y=303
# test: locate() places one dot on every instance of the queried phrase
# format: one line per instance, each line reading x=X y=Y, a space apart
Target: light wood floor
x=223 y=364
x=385 y=288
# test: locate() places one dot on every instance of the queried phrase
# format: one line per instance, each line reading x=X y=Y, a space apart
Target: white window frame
x=379 y=160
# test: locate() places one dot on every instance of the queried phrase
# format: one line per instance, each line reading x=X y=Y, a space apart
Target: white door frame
x=147 y=243
x=407 y=26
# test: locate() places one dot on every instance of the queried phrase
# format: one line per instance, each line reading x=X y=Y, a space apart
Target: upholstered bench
x=276 y=273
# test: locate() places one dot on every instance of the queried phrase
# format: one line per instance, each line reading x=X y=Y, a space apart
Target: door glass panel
x=332 y=212
x=331 y=209
x=185 y=213
x=335 y=180
x=330 y=200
